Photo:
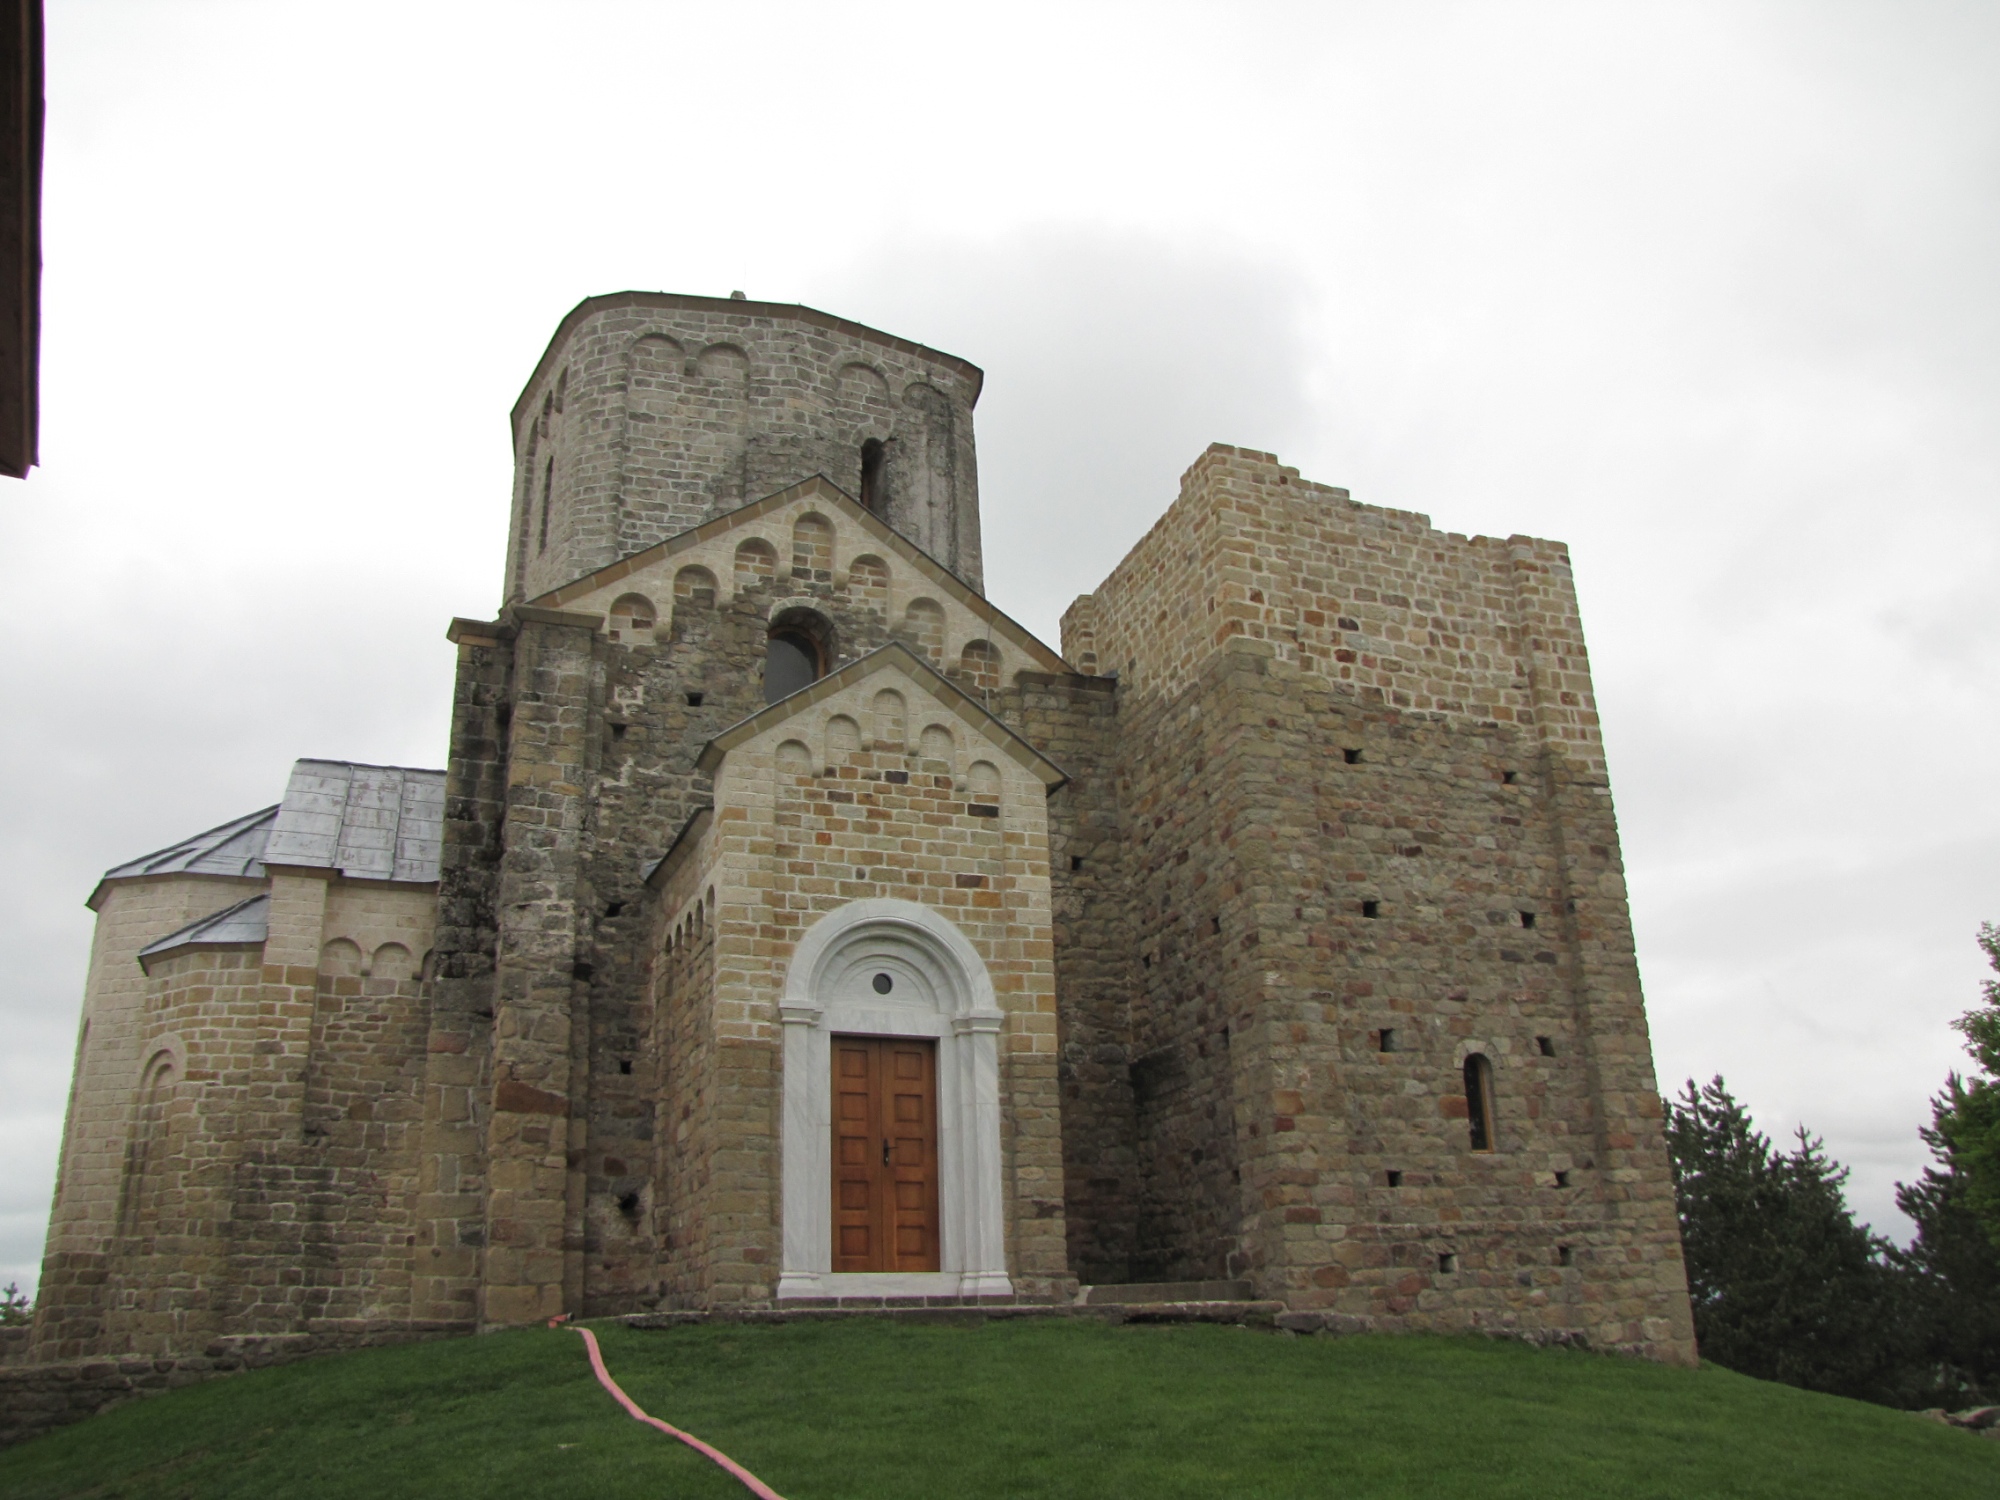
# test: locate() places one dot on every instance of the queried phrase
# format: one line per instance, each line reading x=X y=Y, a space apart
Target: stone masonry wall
x=449 y=1213
x=532 y=1265
x=676 y=654
x=681 y=1074
x=265 y=1145
x=1074 y=721
x=1406 y=828
x=167 y=1286
x=810 y=815
x=1409 y=617
x=364 y=1111
x=806 y=543
x=650 y=414
x=103 y=1093
x=1190 y=928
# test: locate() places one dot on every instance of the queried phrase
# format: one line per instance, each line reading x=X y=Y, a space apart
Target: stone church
x=791 y=927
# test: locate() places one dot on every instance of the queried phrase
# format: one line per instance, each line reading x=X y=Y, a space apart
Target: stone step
x=1138 y=1292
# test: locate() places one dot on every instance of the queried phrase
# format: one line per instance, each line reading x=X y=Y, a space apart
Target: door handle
x=885 y=1151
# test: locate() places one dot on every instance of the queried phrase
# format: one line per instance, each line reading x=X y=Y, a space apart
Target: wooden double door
x=885 y=1154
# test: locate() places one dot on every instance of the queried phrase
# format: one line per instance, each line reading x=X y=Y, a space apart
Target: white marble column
x=983 y=1233
x=805 y=1147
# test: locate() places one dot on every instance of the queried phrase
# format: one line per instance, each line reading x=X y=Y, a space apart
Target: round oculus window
x=883 y=984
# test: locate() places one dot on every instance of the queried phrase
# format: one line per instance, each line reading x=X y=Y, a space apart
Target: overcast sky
x=1707 y=291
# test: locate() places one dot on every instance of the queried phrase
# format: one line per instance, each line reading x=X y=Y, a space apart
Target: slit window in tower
x=548 y=484
x=1479 y=1101
x=872 y=496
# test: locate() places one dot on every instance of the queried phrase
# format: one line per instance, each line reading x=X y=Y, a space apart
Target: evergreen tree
x=1953 y=1269
x=1786 y=1286
x=1971 y=1123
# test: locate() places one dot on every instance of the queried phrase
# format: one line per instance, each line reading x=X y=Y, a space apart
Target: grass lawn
x=877 y=1411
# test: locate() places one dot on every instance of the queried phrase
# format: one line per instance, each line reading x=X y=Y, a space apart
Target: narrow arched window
x=797 y=653
x=791 y=662
x=872 y=496
x=548 y=486
x=1479 y=1116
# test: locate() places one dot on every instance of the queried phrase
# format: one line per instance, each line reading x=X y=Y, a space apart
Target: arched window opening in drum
x=874 y=494
x=797 y=653
x=548 y=489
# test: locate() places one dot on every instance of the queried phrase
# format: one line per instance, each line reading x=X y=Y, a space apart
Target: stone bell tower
x=651 y=413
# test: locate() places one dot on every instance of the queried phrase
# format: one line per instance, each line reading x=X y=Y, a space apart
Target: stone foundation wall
x=39 y=1398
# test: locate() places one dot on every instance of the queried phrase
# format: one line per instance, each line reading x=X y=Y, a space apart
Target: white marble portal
x=938 y=987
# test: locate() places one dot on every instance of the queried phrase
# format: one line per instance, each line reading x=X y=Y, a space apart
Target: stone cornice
x=791 y=312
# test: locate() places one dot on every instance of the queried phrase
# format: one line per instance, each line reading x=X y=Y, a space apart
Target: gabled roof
x=820 y=488
x=366 y=822
x=948 y=694
x=244 y=925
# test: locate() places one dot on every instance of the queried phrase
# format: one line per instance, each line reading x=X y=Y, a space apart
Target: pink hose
x=749 y=1481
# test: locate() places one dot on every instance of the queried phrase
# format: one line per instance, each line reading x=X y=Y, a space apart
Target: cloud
x=1703 y=290
x=1113 y=358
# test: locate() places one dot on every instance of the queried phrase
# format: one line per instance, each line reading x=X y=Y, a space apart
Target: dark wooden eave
x=20 y=234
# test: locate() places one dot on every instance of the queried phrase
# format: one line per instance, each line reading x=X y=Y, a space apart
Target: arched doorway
x=898 y=982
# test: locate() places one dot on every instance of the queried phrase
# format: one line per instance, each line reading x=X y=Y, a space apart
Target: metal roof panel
x=234 y=848
x=245 y=923
x=367 y=822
